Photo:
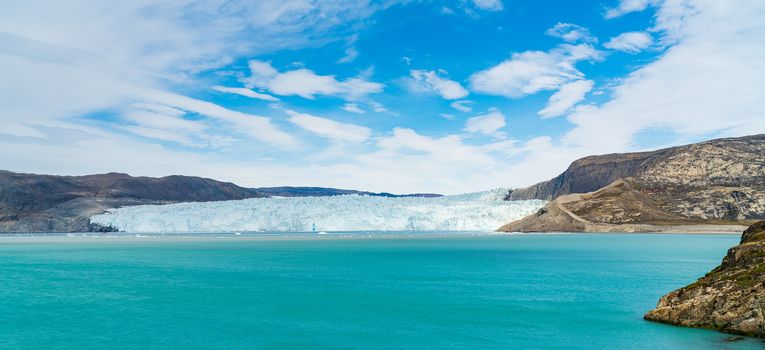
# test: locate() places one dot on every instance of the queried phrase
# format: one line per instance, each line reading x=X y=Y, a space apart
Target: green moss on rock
x=730 y=298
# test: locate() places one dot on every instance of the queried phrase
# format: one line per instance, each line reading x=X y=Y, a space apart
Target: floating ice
x=481 y=211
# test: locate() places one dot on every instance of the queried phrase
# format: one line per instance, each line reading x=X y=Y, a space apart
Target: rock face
x=590 y=174
x=728 y=159
x=719 y=182
x=730 y=298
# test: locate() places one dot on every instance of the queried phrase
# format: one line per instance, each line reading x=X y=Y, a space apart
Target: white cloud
x=488 y=124
x=357 y=88
x=444 y=149
x=565 y=98
x=426 y=159
x=255 y=126
x=630 y=42
x=189 y=41
x=627 y=6
x=708 y=83
x=261 y=73
x=305 y=83
x=431 y=81
x=350 y=52
x=85 y=44
x=159 y=134
x=329 y=128
x=162 y=121
x=475 y=8
x=85 y=57
x=377 y=107
x=533 y=71
x=571 y=33
x=447 y=116
x=405 y=162
x=350 y=55
x=91 y=61
x=462 y=105
x=353 y=108
x=512 y=148
x=245 y=92
x=488 y=5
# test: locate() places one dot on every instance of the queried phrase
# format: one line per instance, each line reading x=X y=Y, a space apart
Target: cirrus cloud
x=330 y=129
x=245 y=92
x=630 y=42
x=488 y=5
x=487 y=124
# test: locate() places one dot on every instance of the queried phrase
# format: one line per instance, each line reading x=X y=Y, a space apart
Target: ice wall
x=482 y=211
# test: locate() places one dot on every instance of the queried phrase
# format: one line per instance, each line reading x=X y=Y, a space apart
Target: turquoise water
x=483 y=292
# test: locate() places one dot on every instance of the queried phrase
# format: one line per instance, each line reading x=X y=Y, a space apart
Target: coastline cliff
x=730 y=298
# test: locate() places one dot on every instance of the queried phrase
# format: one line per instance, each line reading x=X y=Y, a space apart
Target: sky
x=397 y=96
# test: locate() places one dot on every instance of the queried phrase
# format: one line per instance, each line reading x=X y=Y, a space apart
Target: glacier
x=480 y=211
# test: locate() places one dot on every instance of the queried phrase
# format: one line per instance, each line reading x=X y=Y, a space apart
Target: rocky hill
x=590 y=174
x=729 y=298
x=48 y=203
x=719 y=182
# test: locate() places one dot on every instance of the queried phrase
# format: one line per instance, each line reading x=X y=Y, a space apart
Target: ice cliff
x=481 y=211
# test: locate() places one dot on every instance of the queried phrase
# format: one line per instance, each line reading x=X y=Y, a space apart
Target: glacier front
x=481 y=211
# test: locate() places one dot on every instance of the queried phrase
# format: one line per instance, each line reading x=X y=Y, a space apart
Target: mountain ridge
x=53 y=203
x=718 y=182
x=588 y=174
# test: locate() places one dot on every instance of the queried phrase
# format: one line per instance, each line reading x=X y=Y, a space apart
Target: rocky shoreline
x=730 y=298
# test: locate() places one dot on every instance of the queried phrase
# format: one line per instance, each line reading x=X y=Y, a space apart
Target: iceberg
x=480 y=211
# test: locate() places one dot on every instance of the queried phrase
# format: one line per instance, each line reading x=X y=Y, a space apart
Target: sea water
x=577 y=291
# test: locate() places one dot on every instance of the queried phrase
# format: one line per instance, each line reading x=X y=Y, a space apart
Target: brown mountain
x=717 y=185
x=728 y=298
x=47 y=203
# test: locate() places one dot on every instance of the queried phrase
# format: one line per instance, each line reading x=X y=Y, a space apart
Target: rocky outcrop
x=589 y=174
x=720 y=162
x=730 y=298
x=754 y=233
x=618 y=207
x=718 y=183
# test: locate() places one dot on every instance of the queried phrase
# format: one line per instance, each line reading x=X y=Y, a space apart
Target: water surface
x=466 y=292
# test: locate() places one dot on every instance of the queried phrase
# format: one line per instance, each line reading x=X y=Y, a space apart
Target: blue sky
x=410 y=96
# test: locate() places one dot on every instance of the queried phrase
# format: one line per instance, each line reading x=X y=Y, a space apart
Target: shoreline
x=670 y=229
x=230 y=237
